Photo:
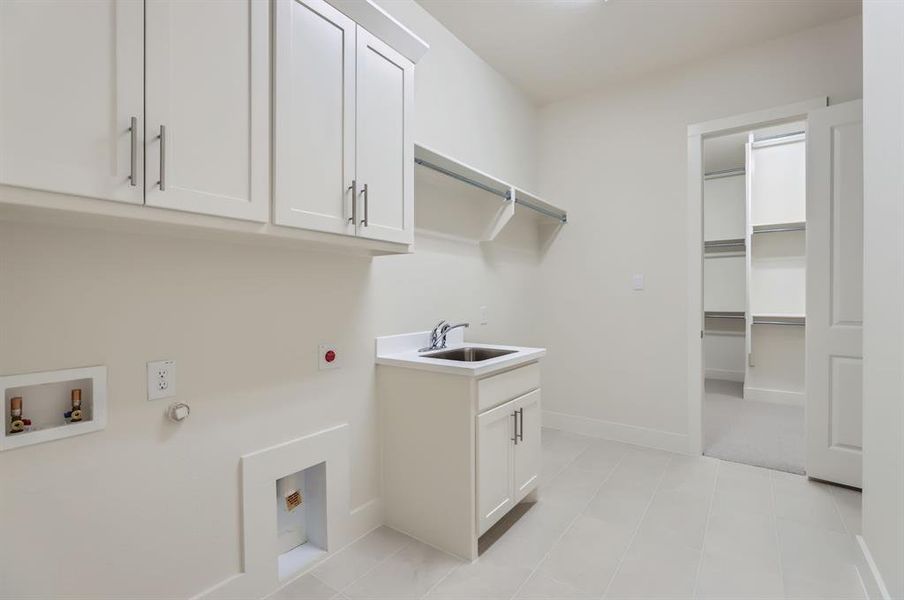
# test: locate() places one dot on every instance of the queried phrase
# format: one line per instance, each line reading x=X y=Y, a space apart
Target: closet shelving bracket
x=509 y=194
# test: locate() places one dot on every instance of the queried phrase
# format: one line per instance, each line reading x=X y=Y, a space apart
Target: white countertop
x=402 y=351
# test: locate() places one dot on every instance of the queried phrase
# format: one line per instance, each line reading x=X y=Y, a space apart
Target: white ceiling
x=553 y=49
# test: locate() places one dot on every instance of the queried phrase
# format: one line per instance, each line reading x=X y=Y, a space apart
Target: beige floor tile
x=564 y=444
x=409 y=573
x=360 y=557
x=844 y=585
x=806 y=501
x=586 y=557
x=676 y=518
x=619 y=504
x=849 y=505
x=541 y=586
x=726 y=576
x=747 y=536
x=655 y=570
x=743 y=488
x=572 y=488
x=481 y=580
x=601 y=455
x=306 y=587
x=814 y=553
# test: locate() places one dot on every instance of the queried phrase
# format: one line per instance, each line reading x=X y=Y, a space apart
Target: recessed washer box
x=46 y=398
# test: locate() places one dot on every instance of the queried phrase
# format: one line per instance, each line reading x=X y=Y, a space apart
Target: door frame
x=696 y=134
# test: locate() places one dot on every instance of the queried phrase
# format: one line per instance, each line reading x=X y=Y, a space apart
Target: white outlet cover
x=637 y=281
x=484 y=319
x=323 y=357
x=161 y=379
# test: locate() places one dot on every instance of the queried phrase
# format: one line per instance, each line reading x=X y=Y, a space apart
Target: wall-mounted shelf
x=725 y=314
x=510 y=196
x=46 y=397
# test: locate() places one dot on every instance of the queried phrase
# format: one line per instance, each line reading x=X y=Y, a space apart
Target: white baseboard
x=724 y=375
x=619 y=432
x=774 y=396
x=873 y=583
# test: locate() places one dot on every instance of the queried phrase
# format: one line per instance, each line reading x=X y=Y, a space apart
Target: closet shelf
x=724 y=173
x=779 y=227
x=511 y=195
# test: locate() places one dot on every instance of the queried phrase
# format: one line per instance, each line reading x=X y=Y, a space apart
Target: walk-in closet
x=754 y=296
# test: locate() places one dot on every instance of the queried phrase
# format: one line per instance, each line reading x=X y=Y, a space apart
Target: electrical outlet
x=161 y=379
x=484 y=319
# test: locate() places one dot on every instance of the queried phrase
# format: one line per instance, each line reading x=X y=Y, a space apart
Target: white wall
x=617 y=160
x=883 y=290
x=148 y=508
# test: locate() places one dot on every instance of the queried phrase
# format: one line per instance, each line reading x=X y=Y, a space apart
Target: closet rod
x=779 y=228
x=507 y=194
x=724 y=173
x=735 y=243
x=770 y=322
x=724 y=315
x=555 y=215
x=781 y=138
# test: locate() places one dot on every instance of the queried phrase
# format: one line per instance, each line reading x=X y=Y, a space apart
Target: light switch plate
x=637 y=281
x=161 y=379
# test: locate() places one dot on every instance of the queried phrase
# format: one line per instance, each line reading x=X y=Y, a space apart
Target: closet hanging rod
x=735 y=243
x=779 y=227
x=799 y=323
x=724 y=315
x=724 y=173
x=507 y=194
x=782 y=138
x=549 y=213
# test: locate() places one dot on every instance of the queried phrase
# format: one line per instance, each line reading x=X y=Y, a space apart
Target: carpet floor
x=750 y=432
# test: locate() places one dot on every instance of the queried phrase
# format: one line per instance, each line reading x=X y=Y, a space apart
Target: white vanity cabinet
x=71 y=105
x=508 y=456
x=459 y=451
x=343 y=144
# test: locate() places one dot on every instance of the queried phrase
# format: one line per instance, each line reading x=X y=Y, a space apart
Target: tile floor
x=619 y=521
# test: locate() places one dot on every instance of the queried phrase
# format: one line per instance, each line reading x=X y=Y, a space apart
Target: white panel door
x=314 y=117
x=71 y=82
x=495 y=444
x=385 y=146
x=207 y=78
x=527 y=452
x=835 y=293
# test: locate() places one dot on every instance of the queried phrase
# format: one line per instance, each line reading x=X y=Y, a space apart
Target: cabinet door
x=70 y=85
x=495 y=435
x=527 y=454
x=314 y=118
x=207 y=78
x=385 y=146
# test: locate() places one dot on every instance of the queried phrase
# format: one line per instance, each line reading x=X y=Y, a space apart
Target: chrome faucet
x=438 y=335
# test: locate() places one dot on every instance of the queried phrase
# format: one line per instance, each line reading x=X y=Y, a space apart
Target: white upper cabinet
x=343 y=143
x=385 y=148
x=70 y=89
x=314 y=118
x=207 y=86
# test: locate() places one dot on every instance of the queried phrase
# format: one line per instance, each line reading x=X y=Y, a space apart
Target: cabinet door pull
x=515 y=438
x=133 y=149
x=162 y=136
x=364 y=221
x=354 y=188
x=521 y=426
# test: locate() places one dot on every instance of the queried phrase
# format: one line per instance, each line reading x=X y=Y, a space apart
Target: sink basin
x=469 y=354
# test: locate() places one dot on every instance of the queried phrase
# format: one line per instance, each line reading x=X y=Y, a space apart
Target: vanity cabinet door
x=314 y=117
x=71 y=97
x=385 y=145
x=527 y=452
x=208 y=107
x=495 y=463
